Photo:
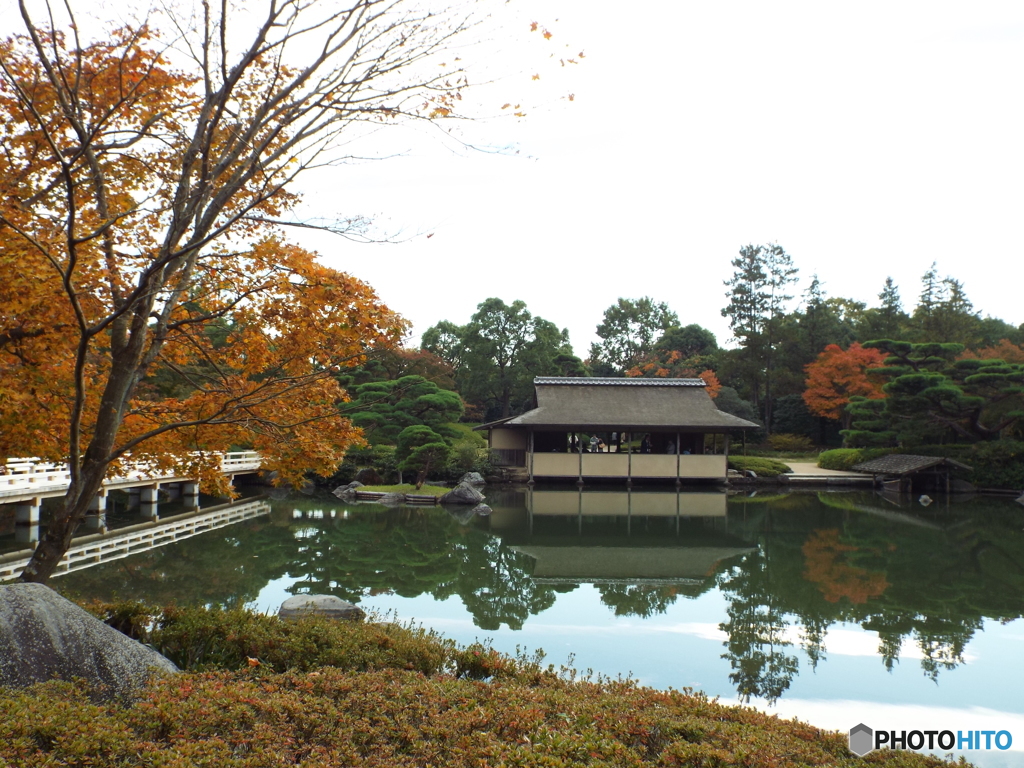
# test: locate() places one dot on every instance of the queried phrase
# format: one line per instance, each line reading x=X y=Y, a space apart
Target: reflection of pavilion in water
x=633 y=537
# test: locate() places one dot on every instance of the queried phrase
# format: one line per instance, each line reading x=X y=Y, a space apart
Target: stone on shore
x=463 y=493
x=44 y=636
x=320 y=605
x=347 y=491
x=473 y=478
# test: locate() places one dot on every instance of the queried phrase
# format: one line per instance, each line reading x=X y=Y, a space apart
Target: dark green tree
x=421 y=449
x=887 y=320
x=929 y=392
x=690 y=341
x=944 y=313
x=992 y=330
x=570 y=365
x=802 y=335
x=757 y=300
x=384 y=408
x=447 y=341
x=628 y=332
x=498 y=353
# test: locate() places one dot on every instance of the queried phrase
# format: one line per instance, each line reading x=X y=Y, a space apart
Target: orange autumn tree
x=672 y=365
x=837 y=375
x=1005 y=350
x=150 y=307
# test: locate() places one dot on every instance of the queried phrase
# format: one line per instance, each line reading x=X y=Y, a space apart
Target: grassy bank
x=261 y=692
x=426 y=490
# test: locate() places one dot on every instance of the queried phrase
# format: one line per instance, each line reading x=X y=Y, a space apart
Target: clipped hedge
x=764 y=467
x=843 y=459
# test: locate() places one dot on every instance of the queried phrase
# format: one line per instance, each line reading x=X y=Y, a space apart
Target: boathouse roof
x=612 y=404
x=905 y=464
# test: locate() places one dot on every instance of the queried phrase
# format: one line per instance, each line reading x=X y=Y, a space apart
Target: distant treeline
x=798 y=360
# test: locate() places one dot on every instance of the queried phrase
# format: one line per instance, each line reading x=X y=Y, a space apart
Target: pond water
x=837 y=608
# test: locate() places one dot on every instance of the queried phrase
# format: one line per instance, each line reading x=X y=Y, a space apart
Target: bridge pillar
x=190 y=494
x=134 y=495
x=26 y=521
x=150 y=498
x=96 y=519
x=173 y=490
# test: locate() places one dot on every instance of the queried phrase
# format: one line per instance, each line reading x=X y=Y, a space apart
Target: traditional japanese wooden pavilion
x=629 y=429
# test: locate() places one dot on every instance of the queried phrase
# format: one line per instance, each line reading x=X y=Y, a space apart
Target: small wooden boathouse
x=907 y=473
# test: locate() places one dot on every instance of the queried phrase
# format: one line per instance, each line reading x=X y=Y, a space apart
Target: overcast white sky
x=868 y=139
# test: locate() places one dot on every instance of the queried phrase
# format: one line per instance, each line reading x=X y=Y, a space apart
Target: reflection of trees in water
x=930 y=581
x=756 y=627
x=415 y=551
x=226 y=567
x=494 y=584
x=646 y=600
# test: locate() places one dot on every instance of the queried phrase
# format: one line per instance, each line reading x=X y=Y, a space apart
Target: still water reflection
x=743 y=596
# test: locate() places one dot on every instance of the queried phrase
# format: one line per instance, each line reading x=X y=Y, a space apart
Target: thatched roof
x=905 y=464
x=631 y=404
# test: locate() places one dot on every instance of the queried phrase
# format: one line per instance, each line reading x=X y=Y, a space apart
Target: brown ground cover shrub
x=319 y=693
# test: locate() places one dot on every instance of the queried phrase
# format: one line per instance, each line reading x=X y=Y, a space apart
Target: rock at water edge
x=44 y=636
x=463 y=493
x=473 y=478
x=320 y=605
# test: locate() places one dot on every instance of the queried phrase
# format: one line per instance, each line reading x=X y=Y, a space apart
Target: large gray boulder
x=463 y=493
x=473 y=478
x=347 y=492
x=320 y=605
x=43 y=637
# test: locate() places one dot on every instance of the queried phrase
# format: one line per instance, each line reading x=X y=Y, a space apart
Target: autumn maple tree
x=151 y=308
x=837 y=375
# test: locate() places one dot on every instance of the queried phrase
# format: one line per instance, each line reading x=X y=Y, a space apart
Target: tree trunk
x=54 y=544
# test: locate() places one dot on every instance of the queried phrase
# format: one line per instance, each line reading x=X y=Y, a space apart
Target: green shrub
x=790 y=443
x=998 y=464
x=842 y=459
x=202 y=639
x=762 y=466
